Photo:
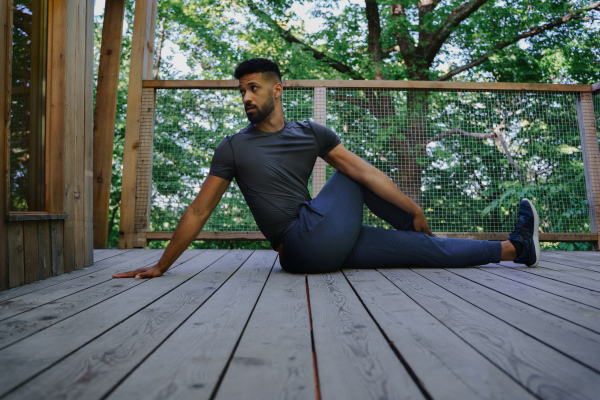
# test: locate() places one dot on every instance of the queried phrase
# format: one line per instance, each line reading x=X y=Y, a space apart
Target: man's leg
x=328 y=227
x=387 y=248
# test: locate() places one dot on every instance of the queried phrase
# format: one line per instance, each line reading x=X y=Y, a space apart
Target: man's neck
x=273 y=123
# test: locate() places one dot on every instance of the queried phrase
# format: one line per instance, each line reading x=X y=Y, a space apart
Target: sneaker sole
x=536 y=240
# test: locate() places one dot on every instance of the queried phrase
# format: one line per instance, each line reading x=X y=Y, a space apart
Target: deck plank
x=27 y=323
x=354 y=360
x=446 y=365
x=570 y=310
x=191 y=362
x=274 y=357
x=571 y=339
x=206 y=330
x=52 y=293
x=55 y=280
x=93 y=370
x=542 y=370
x=584 y=296
x=36 y=353
x=575 y=261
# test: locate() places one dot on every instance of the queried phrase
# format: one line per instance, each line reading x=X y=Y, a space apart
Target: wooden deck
x=232 y=325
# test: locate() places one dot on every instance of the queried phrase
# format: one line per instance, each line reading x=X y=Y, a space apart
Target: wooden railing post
x=591 y=158
x=105 y=115
x=143 y=192
x=141 y=49
x=320 y=115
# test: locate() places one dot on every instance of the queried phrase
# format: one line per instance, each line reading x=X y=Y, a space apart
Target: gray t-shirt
x=272 y=170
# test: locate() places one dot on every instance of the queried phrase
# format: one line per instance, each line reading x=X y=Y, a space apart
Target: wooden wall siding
x=141 y=50
x=106 y=106
x=36 y=249
x=5 y=87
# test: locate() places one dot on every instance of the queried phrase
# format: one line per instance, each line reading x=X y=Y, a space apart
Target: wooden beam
x=55 y=106
x=5 y=88
x=88 y=190
x=138 y=71
x=143 y=192
x=105 y=115
x=591 y=159
x=417 y=85
x=255 y=236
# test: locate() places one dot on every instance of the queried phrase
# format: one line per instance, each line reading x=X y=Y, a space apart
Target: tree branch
x=374 y=35
x=290 y=38
x=440 y=35
x=531 y=33
x=405 y=41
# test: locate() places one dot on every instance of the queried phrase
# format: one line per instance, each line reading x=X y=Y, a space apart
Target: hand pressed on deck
x=141 y=273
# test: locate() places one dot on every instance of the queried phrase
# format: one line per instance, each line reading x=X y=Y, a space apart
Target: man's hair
x=257 y=65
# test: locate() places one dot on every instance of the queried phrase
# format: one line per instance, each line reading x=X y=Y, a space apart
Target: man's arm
x=189 y=226
x=364 y=173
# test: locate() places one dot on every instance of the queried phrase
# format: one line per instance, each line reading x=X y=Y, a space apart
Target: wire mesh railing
x=466 y=155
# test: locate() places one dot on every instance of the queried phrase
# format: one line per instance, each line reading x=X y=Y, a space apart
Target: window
x=28 y=106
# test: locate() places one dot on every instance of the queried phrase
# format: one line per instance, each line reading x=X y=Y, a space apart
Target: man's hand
x=141 y=273
x=421 y=225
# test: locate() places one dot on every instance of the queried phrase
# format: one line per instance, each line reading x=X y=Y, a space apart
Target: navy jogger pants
x=329 y=235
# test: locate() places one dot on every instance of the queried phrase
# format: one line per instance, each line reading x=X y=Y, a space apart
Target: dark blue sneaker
x=526 y=233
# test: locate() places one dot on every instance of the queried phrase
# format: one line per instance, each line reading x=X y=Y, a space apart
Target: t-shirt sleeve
x=327 y=138
x=222 y=164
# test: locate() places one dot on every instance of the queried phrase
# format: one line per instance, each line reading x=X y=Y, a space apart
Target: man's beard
x=260 y=114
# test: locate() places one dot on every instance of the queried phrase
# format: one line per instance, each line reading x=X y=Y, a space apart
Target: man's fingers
x=129 y=274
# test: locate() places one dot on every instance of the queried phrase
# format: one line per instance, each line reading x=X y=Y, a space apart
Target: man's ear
x=277 y=90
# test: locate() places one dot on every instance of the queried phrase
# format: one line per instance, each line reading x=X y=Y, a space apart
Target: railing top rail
x=408 y=85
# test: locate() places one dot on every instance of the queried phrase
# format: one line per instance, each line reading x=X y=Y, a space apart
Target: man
x=272 y=159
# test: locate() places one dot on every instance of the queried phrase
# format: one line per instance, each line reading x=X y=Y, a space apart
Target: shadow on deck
x=231 y=325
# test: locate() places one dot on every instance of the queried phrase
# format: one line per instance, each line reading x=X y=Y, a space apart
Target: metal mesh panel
x=466 y=157
x=190 y=124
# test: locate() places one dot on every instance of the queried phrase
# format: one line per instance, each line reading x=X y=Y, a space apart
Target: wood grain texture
x=49 y=294
x=105 y=115
x=542 y=370
x=571 y=339
x=591 y=282
x=19 y=291
x=44 y=250
x=89 y=140
x=27 y=323
x=30 y=251
x=57 y=252
x=274 y=357
x=580 y=270
x=103 y=254
x=210 y=236
x=15 y=259
x=577 y=260
x=34 y=354
x=354 y=360
x=94 y=369
x=445 y=365
x=364 y=84
x=210 y=336
x=570 y=310
x=581 y=295
x=55 y=106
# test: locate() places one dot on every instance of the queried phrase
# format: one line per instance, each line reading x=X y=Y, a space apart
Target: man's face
x=257 y=96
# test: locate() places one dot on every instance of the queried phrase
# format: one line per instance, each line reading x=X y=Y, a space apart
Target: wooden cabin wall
x=45 y=246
